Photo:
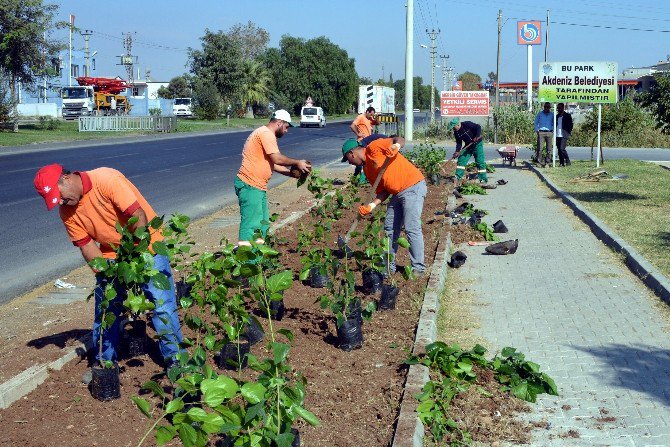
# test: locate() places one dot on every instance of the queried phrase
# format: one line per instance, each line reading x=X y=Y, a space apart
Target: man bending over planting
x=404 y=182
x=90 y=205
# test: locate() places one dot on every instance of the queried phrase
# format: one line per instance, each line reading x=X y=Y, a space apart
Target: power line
x=620 y=28
x=138 y=42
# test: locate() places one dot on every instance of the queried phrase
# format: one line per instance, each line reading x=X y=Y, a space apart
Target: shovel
x=342 y=241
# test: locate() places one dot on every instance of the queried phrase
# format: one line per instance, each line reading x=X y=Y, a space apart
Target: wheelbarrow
x=509 y=154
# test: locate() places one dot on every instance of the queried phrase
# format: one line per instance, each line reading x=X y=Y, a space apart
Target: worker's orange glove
x=364 y=210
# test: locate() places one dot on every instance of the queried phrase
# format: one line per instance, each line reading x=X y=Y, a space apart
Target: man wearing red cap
x=90 y=205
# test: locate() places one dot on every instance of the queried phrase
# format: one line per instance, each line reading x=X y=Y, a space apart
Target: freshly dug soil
x=354 y=394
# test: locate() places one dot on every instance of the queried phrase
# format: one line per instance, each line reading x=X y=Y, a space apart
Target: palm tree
x=255 y=85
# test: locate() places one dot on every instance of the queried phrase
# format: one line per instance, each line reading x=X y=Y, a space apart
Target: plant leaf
x=253 y=392
x=280 y=351
x=143 y=405
x=217 y=390
x=280 y=281
x=174 y=406
x=154 y=388
x=403 y=242
x=164 y=434
x=307 y=415
x=161 y=281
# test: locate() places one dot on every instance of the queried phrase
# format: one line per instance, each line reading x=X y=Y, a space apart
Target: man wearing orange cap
x=261 y=157
x=90 y=205
x=404 y=182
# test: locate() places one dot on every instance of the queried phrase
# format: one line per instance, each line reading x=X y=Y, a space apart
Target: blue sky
x=373 y=32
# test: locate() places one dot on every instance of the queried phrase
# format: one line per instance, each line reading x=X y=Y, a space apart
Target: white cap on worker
x=284 y=116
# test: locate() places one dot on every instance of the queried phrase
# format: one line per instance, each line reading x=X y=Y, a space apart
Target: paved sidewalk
x=566 y=302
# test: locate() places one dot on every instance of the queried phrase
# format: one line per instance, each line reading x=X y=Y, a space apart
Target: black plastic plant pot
x=233 y=355
x=296 y=439
x=499 y=227
x=354 y=310
x=277 y=310
x=503 y=248
x=253 y=331
x=372 y=282
x=105 y=383
x=182 y=289
x=457 y=259
x=460 y=209
x=133 y=338
x=350 y=334
x=316 y=279
x=388 y=297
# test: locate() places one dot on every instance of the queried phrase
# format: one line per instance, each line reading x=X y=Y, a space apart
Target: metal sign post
x=528 y=33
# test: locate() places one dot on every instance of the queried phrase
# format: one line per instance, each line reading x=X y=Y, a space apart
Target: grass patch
x=636 y=208
x=456 y=321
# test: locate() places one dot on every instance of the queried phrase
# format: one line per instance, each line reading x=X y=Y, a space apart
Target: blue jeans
x=404 y=209
x=165 y=317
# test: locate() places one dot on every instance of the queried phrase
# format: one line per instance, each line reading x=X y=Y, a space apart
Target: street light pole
x=433 y=52
x=495 y=119
x=409 y=72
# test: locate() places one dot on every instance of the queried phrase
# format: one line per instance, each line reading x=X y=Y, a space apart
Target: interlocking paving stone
x=566 y=302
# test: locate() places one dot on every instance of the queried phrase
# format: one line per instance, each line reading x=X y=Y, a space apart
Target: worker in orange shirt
x=261 y=157
x=91 y=203
x=404 y=182
x=362 y=127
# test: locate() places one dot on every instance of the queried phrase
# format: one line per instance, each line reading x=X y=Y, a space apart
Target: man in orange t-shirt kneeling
x=260 y=157
x=90 y=205
x=404 y=182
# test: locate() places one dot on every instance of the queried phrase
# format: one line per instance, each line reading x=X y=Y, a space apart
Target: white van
x=312 y=116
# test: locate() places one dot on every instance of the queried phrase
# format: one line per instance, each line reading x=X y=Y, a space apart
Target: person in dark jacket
x=470 y=134
x=563 y=131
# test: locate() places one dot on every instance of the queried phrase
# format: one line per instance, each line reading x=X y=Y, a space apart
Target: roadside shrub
x=626 y=124
x=208 y=100
x=657 y=99
x=48 y=123
x=155 y=111
x=515 y=126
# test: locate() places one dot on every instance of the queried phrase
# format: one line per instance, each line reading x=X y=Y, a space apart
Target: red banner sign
x=465 y=103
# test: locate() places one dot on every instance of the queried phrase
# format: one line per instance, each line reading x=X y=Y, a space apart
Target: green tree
x=251 y=39
x=316 y=68
x=207 y=98
x=470 y=80
x=219 y=62
x=255 y=85
x=421 y=94
x=179 y=87
x=24 y=49
x=657 y=99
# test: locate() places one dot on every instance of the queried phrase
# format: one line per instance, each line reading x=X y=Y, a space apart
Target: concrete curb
x=25 y=382
x=409 y=429
x=637 y=264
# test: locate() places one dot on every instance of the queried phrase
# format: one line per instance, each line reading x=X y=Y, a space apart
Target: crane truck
x=95 y=96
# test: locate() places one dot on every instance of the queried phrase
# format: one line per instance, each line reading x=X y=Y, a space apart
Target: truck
x=378 y=96
x=95 y=96
x=182 y=107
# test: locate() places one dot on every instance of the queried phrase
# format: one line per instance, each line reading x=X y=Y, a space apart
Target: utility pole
x=87 y=35
x=444 y=71
x=495 y=118
x=409 y=72
x=433 y=52
x=546 y=39
x=450 y=74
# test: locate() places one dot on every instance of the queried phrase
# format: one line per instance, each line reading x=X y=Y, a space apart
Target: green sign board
x=592 y=82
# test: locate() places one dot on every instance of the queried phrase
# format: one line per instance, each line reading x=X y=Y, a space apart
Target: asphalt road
x=193 y=176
